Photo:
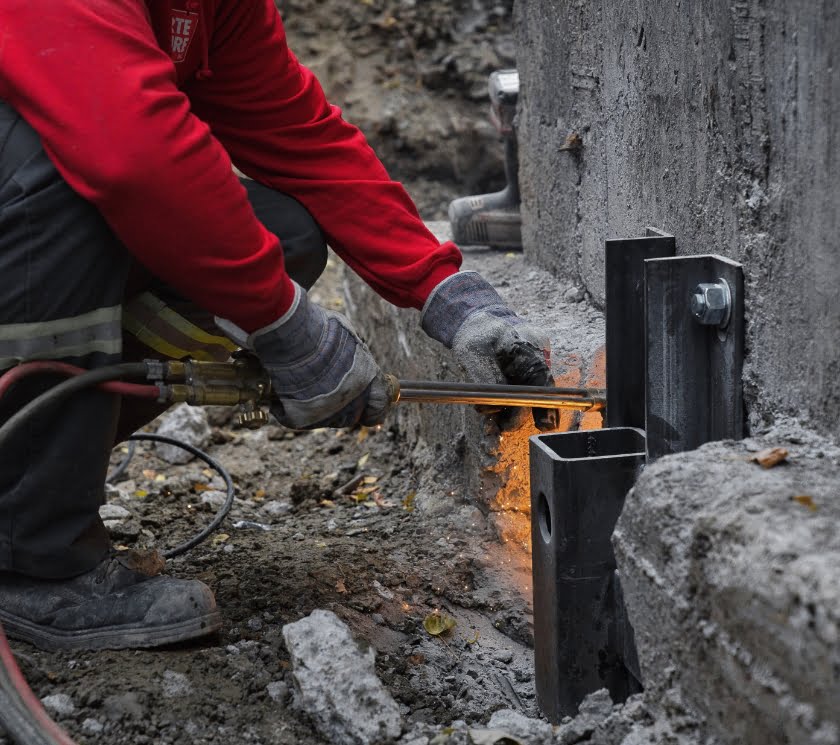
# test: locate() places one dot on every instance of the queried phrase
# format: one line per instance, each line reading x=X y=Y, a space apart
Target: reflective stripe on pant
x=63 y=277
x=62 y=274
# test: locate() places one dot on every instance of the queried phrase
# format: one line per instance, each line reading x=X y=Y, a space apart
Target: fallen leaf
x=340 y=587
x=363 y=460
x=149 y=474
x=360 y=496
x=408 y=502
x=363 y=435
x=416 y=659
x=806 y=501
x=326 y=503
x=492 y=737
x=437 y=623
x=259 y=495
x=198 y=487
x=141 y=494
x=220 y=538
x=770 y=457
x=160 y=478
x=474 y=640
x=370 y=479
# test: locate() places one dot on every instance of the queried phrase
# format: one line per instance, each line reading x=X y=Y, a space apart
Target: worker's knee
x=303 y=242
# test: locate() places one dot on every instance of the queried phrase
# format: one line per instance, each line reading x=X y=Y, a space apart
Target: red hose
x=40 y=718
x=26 y=369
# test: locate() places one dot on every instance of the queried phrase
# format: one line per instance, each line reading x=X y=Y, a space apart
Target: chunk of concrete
x=729 y=572
x=188 y=424
x=336 y=683
x=532 y=731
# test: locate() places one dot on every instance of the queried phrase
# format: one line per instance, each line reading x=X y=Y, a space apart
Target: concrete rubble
x=730 y=572
x=188 y=424
x=336 y=683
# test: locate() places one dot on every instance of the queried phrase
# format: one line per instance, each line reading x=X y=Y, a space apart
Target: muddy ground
x=413 y=75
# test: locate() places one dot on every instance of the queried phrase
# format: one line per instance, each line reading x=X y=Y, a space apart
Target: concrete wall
x=718 y=121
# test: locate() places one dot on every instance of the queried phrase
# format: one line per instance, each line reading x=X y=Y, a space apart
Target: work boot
x=114 y=606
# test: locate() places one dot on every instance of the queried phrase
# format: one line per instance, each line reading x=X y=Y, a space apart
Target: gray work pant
x=63 y=281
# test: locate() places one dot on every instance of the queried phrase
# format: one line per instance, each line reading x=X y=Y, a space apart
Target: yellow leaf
x=326 y=503
x=474 y=640
x=408 y=502
x=160 y=478
x=437 y=623
x=219 y=538
x=806 y=501
x=340 y=587
x=363 y=460
x=363 y=435
x=259 y=495
x=770 y=457
x=141 y=494
x=199 y=487
x=370 y=479
x=361 y=496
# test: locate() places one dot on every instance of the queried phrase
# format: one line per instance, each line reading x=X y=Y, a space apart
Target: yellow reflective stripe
x=189 y=329
x=167 y=332
x=159 y=344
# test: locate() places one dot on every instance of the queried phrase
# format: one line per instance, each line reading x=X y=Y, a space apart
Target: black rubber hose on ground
x=216 y=466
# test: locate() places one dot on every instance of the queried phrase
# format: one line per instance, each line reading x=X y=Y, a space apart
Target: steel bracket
x=693 y=371
x=625 y=295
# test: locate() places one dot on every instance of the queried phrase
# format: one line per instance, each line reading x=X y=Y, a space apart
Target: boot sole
x=111 y=637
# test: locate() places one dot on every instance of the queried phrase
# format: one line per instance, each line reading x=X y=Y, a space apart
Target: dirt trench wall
x=717 y=121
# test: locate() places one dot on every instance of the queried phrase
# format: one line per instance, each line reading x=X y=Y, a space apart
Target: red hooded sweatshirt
x=142 y=105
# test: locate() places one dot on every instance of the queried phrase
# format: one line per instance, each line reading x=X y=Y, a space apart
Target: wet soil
x=299 y=538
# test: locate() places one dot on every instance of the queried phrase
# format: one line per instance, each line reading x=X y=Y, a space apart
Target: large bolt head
x=710 y=303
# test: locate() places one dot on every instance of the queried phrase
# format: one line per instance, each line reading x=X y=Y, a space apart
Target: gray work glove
x=322 y=373
x=488 y=339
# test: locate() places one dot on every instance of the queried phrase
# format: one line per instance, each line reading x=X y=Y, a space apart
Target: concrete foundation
x=718 y=122
x=730 y=572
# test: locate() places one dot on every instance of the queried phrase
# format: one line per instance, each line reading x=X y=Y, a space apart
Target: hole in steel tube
x=544 y=517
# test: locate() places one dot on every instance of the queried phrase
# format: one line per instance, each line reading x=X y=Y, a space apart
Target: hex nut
x=711 y=303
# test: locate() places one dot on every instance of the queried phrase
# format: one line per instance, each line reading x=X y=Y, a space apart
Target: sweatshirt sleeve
x=271 y=114
x=90 y=78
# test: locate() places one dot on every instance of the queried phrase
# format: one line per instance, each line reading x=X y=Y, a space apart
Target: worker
x=125 y=233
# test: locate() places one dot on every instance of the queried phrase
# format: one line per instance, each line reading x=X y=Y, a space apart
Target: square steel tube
x=583 y=640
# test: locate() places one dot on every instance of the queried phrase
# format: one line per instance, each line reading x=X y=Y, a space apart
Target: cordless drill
x=494 y=219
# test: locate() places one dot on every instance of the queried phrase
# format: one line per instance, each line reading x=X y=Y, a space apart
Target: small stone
x=213 y=498
x=92 y=726
x=378 y=618
x=532 y=731
x=275 y=508
x=113 y=512
x=187 y=424
x=574 y=295
x=176 y=685
x=255 y=624
x=277 y=691
x=503 y=655
x=59 y=703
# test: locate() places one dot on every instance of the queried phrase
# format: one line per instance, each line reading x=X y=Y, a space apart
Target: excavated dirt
x=413 y=76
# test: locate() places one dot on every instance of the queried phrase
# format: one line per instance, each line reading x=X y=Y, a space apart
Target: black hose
x=216 y=466
x=68 y=388
x=122 y=466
